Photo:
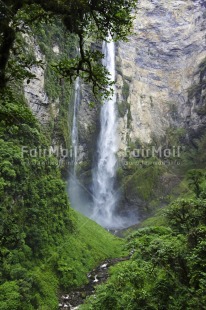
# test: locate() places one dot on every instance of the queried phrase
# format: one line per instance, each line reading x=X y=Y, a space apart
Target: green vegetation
x=147 y=179
x=59 y=91
x=125 y=90
x=197 y=91
x=123 y=106
x=82 y=250
x=84 y=19
x=144 y=181
x=44 y=246
x=195 y=156
x=154 y=181
x=48 y=37
x=167 y=267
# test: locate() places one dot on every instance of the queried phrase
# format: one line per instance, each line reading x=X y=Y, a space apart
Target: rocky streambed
x=73 y=299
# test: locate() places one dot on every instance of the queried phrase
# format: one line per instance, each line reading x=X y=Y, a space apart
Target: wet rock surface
x=159 y=63
x=73 y=299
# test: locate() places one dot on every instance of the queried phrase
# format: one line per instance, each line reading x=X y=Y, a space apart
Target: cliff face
x=160 y=83
x=35 y=94
x=157 y=77
x=160 y=64
x=48 y=96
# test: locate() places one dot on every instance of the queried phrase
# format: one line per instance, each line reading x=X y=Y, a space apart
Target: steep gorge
x=160 y=98
x=160 y=95
x=46 y=247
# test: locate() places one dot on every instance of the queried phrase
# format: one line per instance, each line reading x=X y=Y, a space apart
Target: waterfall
x=74 y=123
x=101 y=205
x=104 y=172
x=78 y=194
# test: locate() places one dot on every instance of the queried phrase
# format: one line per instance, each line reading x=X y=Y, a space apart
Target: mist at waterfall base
x=82 y=200
x=100 y=201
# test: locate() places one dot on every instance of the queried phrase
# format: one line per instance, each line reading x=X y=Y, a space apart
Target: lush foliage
x=85 y=19
x=152 y=181
x=167 y=267
x=44 y=246
x=145 y=180
x=59 y=92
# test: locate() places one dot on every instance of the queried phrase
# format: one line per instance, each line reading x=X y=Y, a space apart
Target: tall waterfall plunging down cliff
x=99 y=199
x=74 y=123
x=78 y=194
x=104 y=173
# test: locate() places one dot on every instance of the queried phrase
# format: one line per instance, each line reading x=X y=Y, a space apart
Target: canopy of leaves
x=94 y=20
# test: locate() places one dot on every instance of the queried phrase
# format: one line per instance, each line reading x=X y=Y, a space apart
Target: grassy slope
x=75 y=256
x=88 y=246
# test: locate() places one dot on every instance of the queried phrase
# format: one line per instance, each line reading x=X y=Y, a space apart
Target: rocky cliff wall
x=157 y=75
x=88 y=130
x=160 y=82
x=159 y=65
x=48 y=96
x=34 y=91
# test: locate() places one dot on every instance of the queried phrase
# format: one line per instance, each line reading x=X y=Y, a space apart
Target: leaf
x=92 y=104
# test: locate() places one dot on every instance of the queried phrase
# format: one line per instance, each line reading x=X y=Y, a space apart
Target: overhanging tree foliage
x=94 y=19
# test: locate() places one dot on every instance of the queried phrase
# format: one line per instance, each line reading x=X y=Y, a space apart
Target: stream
x=73 y=299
